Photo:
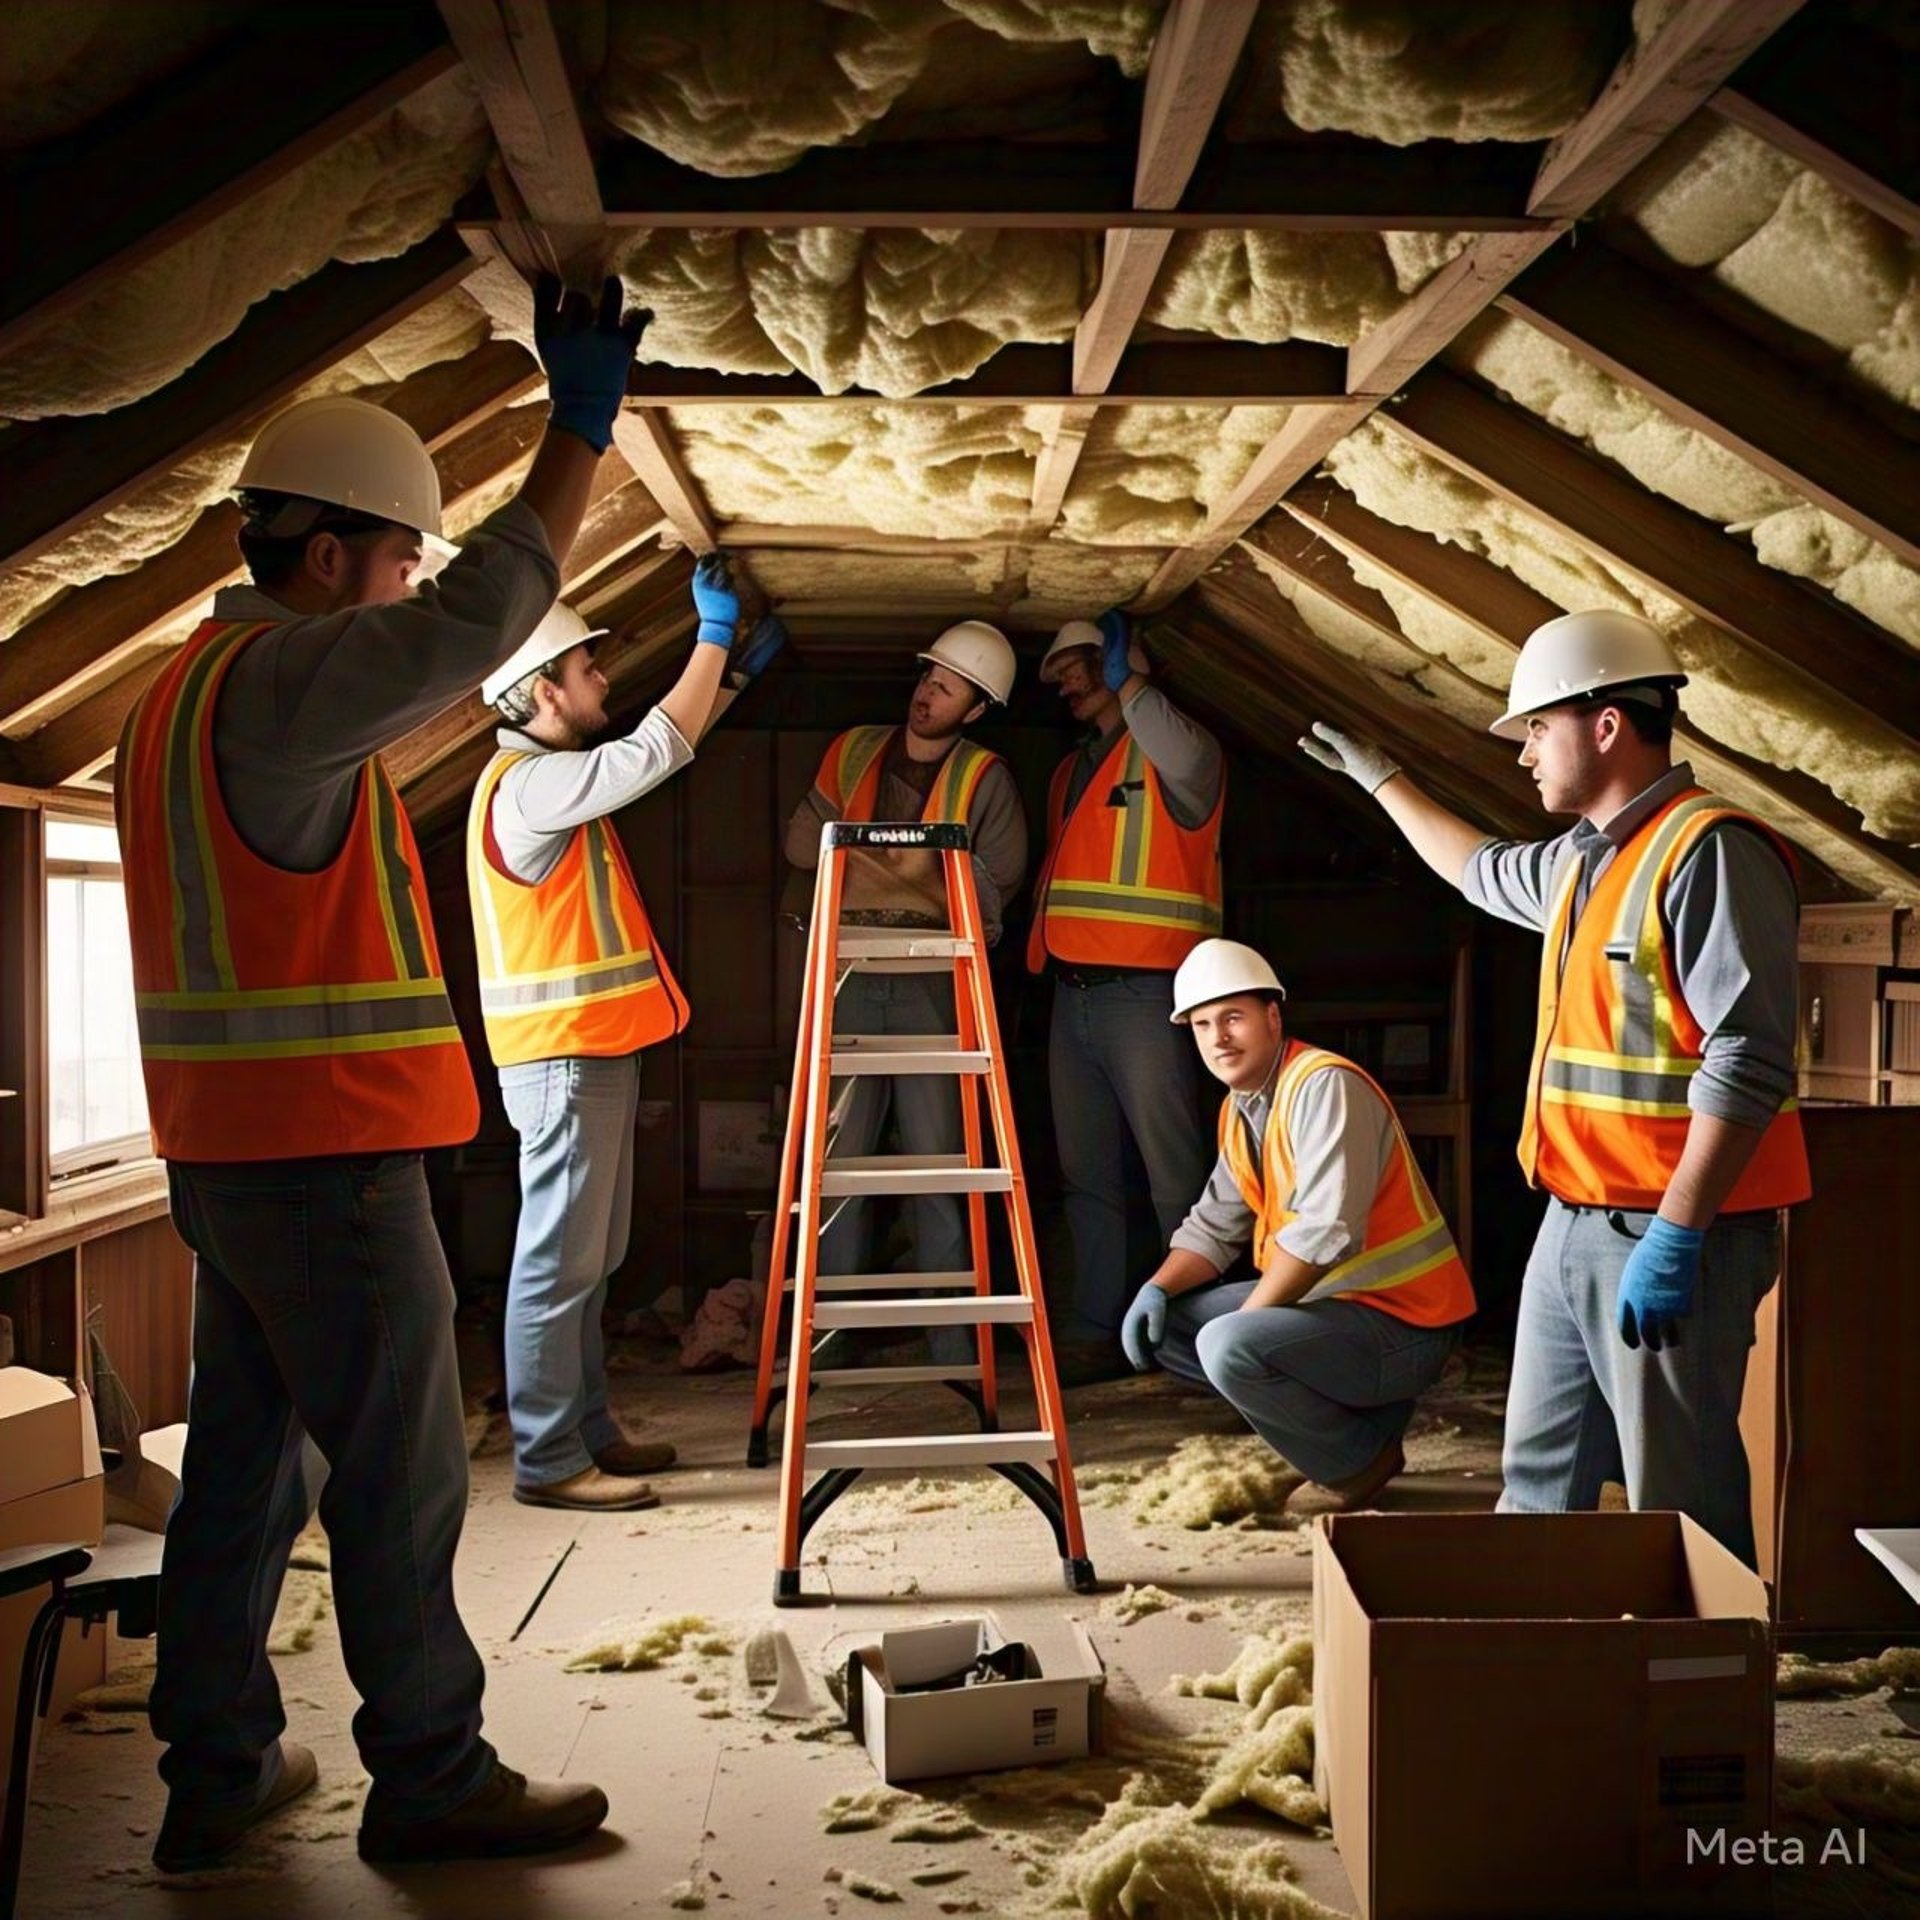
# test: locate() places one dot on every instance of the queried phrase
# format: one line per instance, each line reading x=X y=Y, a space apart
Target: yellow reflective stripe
x=309 y=1048
x=383 y=883
x=1394 y=1262
x=951 y=796
x=480 y=875
x=572 y=969
x=222 y=1000
x=598 y=863
x=862 y=747
x=1626 y=1062
x=1553 y=1096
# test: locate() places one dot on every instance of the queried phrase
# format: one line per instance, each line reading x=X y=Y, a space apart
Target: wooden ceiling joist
x=645 y=444
x=1636 y=327
x=95 y=205
x=1711 y=573
x=56 y=474
x=1506 y=610
x=1654 y=89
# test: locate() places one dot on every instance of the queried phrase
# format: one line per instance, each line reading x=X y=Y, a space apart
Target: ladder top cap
x=941 y=836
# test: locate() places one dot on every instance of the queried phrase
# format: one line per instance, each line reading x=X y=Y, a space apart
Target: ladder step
x=906 y=1053
x=974 y=1310
x=934 y=1450
x=888 y=1376
x=856 y=949
x=884 y=1282
x=910 y=1173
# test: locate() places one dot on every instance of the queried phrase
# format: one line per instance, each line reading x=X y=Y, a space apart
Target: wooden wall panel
x=140 y=1282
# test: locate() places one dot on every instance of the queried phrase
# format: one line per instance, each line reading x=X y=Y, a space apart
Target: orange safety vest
x=1125 y=884
x=283 y=1016
x=568 y=964
x=1617 y=1046
x=849 y=776
x=1407 y=1265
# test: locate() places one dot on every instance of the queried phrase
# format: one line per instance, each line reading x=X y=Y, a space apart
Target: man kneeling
x=1359 y=1290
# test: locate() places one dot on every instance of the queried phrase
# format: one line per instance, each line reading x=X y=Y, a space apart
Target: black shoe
x=194 y=1837
x=509 y=1814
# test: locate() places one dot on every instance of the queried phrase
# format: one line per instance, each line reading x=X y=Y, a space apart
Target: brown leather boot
x=590 y=1491
x=509 y=1814
x=1353 y=1494
x=633 y=1457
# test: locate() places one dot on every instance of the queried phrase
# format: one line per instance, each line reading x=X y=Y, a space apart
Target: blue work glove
x=1656 y=1284
x=586 y=355
x=1146 y=1322
x=769 y=635
x=715 y=601
x=1120 y=659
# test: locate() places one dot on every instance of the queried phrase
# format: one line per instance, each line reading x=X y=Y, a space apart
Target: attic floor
x=706 y=1793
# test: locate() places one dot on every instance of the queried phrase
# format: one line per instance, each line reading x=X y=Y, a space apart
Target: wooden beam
x=1789 y=134
x=1711 y=377
x=1506 y=610
x=55 y=474
x=98 y=203
x=1066 y=430
x=1688 y=559
x=647 y=446
x=1652 y=91
x=99 y=627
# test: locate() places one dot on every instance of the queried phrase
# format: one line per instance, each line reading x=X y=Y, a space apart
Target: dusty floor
x=715 y=1805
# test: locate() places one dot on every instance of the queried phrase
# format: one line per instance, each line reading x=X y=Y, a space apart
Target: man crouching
x=1359 y=1291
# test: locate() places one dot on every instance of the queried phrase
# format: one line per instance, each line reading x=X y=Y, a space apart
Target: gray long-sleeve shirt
x=542 y=801
x=1181 y=751
x=306 y=704
x=1733 y=917
x=996 y=821
x=1342 y=1133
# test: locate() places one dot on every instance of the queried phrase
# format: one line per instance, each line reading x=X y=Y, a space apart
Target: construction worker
x=926 y=770
x=299 y=1053
x=1358 y=1291
x=572 y=987
x=1131 y=885
x=1660 y=1118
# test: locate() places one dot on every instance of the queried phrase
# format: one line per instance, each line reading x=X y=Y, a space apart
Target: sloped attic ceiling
x=1348 y=337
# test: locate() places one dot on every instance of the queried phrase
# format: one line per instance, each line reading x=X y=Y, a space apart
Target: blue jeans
x=1584 y=1407
x=1118 y=1065
x=322 y=1306
x=575 y=1120
x=1326 y=1386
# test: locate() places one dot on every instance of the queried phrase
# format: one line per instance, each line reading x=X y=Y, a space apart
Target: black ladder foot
x=757 y=1455
x=786 y=1587
x=1079 y=1575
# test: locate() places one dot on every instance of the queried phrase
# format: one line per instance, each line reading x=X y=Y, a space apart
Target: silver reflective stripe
x=245 y=1025
x=1188 y=910
x=396 y=876
x=1387 y=1266
x=599 y=863
x=1645 y=1027
x=192 y=886
x=1130 y=865
x=1649 y=1087
x=509 y=996
x=862 y=750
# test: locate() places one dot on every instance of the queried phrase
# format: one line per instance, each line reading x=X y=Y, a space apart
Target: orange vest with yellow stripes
x=568 y=964
x=1617 y=1046
x=1407 y=1265
x=849 y=775
x=1125 y=884
x=282 y=1016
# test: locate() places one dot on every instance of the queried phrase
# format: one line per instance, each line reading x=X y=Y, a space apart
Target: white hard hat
x=1579 y=653
x=1217 y=970
x=348 y=453
x=1076 y=633
x=560 y=632
x=976 y=652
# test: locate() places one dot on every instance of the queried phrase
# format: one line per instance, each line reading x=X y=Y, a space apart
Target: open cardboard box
x=1531 y=1713
x=1052 y=1712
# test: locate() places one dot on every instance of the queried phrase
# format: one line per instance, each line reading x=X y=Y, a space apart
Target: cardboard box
x=1051 y=1713
x=45 y=1431
x=1529 y=1713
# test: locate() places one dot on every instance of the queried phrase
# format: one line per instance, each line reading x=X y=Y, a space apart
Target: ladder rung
x=856 y=949
x=883 y=1282
x=973 y=1310
x=888 y=1376
x=934 y=1450
x=910 y=1173
x=907 y=1053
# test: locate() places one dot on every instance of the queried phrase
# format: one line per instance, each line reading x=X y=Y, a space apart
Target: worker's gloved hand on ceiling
x=1657 y=1283
x=769 y=635
x=1145 y=1324
x=586 y=353
x=716 y=601
x=1121 y=656
x=1359 y=760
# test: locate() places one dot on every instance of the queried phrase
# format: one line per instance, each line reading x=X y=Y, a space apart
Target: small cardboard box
x=1531 y=1714
x=916 y=1730
x=46 y=1430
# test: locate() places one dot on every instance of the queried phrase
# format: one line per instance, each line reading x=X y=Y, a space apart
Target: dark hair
x=1647 y=706
x=278 y=528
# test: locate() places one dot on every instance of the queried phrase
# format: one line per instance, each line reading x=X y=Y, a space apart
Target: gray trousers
x=322 y=1306
x=1119 y=1066
x=1584 y=1407
x=1326 y=1386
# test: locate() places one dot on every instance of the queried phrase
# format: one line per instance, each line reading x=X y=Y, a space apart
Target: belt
x=1104 y=976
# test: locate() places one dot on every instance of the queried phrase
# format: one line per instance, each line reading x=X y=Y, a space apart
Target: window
x=97 y=1101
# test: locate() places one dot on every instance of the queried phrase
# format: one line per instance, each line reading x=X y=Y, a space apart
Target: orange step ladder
x=1035 y=1460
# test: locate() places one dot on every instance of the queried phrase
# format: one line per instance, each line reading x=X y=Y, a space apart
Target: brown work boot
x=194 y=1837
x=509 y=1814
x=1350 y=1495
x=635 y=1457
x=590 y=1491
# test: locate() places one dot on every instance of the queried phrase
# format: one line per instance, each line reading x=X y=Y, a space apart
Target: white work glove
x=1358 y=759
